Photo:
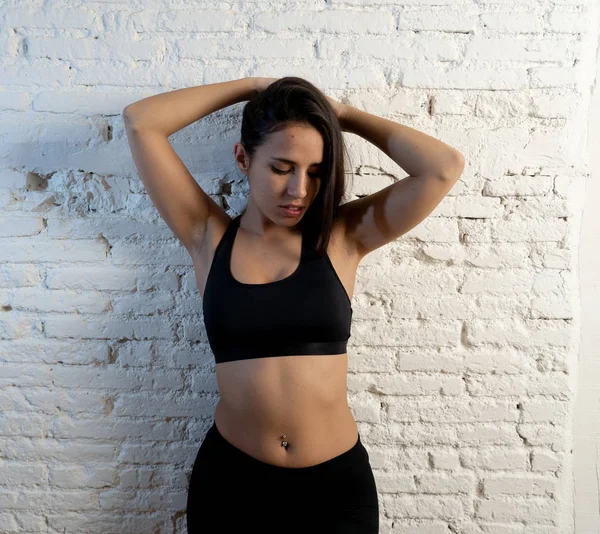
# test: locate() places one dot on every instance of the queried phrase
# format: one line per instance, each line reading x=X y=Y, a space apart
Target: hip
x=338 y=495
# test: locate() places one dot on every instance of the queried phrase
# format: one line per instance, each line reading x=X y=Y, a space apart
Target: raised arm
x=181 y=202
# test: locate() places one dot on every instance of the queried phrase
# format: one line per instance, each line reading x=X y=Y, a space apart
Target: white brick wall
x=466 y=330
x=586 y=438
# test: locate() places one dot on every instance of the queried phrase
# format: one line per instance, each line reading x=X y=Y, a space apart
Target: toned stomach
x=303 y=397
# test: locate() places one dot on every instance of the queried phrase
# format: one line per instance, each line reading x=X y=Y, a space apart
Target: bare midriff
x=303 y=397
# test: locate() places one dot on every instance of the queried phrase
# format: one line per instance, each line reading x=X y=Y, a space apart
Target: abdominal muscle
x=302 y=396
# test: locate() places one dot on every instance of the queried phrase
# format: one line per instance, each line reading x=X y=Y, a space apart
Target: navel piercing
x=284 y=443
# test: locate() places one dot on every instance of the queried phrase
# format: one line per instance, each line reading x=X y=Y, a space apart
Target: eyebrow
x=284 y=160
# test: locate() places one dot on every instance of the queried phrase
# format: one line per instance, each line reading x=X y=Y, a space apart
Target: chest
x=256 y=264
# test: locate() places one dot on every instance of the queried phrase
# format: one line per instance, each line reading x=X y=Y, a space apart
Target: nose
x=298 y=185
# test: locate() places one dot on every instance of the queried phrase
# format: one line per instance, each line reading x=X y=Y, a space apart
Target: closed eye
x=279 y=171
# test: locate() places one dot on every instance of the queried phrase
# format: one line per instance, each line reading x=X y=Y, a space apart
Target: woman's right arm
x=171 y=111
x=181 y=202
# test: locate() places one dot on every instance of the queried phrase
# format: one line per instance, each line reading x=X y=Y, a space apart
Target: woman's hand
x=338 y=107
x=260 y=84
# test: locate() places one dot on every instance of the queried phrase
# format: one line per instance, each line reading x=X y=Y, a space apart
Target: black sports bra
x=309 y=312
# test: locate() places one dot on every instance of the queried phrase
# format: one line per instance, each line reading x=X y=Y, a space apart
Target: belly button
x=284 y=443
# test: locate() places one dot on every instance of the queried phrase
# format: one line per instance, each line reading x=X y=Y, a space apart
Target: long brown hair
x=292 y=100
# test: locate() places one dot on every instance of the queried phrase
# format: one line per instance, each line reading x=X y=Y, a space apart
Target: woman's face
x=274 y=182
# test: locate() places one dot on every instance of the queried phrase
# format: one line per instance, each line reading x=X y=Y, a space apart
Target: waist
x=302 y=397
x=312 y=436
x=283 y=388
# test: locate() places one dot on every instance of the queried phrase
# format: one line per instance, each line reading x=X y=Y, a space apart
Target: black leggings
x=231 y=491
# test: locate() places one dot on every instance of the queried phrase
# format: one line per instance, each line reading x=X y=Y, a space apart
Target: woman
x=284 y=453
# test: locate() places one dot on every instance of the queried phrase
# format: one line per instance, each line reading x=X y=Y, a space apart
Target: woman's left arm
x=374 y=220
x=415 y=152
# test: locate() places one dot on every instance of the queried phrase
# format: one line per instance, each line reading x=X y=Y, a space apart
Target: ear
x=241 y=158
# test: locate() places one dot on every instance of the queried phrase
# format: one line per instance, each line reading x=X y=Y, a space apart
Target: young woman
x=284 y=453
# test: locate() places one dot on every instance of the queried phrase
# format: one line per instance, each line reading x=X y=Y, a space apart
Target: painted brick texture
x=463 y=355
